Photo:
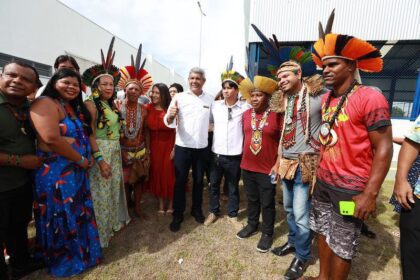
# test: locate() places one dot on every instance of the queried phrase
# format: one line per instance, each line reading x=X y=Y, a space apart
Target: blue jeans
x=297 y=206
x=229 y=167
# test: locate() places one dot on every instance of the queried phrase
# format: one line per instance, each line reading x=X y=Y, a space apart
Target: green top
x=114 y=125
x=13 y=141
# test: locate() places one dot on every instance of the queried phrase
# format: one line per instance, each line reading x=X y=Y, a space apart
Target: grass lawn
x=148 y=250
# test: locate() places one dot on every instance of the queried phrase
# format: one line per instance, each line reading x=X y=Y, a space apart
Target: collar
x=238 y=103
x=3 y=100
x=192 y=93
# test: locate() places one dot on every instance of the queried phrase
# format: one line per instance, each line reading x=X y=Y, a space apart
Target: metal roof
x=370 y=20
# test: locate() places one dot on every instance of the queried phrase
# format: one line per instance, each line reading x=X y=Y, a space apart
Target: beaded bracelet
x=99 y=159
x=79 y=162
x=97 y=154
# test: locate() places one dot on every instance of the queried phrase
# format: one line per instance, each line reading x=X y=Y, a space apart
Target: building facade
x=39 y=31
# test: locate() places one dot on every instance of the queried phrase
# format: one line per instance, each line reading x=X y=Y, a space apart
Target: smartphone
x=273 y=178
x=347 y=208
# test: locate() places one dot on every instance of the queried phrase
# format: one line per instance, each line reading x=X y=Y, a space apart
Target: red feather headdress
x=135 y=73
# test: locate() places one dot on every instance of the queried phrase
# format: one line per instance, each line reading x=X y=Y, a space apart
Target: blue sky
x=170 y=31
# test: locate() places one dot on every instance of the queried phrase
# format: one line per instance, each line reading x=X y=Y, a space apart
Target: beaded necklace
x=132 y=117
x=327 y=135
x=256 y=138
x=290 y=124
x=105 y=121
x=21 y=117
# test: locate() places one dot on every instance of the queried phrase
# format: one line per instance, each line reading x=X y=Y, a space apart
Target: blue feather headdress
x=279 y=55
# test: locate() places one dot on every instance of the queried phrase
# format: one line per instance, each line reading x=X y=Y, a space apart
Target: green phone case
x=347 y=208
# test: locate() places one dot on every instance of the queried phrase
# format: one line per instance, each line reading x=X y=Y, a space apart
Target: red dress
x=162 y=140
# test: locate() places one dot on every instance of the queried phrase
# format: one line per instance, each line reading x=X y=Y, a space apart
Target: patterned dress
x=108 y=194
x=66 y=231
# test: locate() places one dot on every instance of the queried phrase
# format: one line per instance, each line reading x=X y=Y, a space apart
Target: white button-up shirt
x=228 y=134
x=193 y=118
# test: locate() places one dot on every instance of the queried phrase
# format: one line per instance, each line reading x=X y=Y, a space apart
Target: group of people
x=327 y=139
x=79 y=159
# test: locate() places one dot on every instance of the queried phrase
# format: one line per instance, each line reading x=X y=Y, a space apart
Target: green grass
x=148 y=250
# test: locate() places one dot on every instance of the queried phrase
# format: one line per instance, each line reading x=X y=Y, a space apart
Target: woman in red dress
x=162 y=140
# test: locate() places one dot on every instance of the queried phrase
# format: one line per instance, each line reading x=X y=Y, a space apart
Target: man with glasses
x=227 y=147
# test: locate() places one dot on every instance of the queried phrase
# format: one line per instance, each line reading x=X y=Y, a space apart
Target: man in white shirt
x=227 y=146
x=192 y=111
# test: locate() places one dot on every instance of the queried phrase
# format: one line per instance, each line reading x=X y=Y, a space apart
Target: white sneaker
x=211 y=218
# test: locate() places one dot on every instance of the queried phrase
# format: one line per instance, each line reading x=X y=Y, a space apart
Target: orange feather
x=356 y=48
x=330 y=41
x=370 y=64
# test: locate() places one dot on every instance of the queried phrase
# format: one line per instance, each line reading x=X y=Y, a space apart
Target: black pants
x=228 y=166
x=260 y=194
x=184 y=159
x=410 y=241
x=15 y=214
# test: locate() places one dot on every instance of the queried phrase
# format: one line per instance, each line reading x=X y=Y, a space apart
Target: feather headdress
x=263 y=84
x=135 y=73
x=329 y=45
x=231 y=75
x=279 y=55
x=106 y=68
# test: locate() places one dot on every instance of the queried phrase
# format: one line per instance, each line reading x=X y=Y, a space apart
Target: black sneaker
x=198 y=216
x=296 y=269
x=247 y=231
x=176 y=224
x=265 y=243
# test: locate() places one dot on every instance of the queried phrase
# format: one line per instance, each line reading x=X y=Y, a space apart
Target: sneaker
x=247 y=231
x=265 y=243
x=175 y=225
x=236 y=224
x=211 y=218
x=198 y=216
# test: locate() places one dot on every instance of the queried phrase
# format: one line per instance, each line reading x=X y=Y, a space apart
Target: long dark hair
x=99 y=107
x=77 y=104
x=165 y=97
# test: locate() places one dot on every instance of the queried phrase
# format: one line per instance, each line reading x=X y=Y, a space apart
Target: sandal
x=161 y=212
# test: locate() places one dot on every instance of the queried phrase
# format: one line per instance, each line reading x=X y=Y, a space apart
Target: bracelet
x=17 y=160
x=99 y=159
x=79 y=162
x=97 y=154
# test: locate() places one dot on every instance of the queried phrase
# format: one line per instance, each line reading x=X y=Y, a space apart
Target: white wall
x=367 y=19
x=42 y=30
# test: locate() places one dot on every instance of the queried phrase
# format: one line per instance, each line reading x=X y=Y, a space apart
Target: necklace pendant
x=23 y=130
x=325 y=129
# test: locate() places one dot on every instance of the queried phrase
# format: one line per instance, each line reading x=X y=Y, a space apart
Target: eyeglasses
x=229 y=114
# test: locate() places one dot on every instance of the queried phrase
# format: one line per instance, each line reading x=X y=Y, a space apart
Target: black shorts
x=341 y=232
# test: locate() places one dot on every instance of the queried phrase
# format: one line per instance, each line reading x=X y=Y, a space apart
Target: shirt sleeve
x=414 y=133
x=165 y=118
x=376 y=110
